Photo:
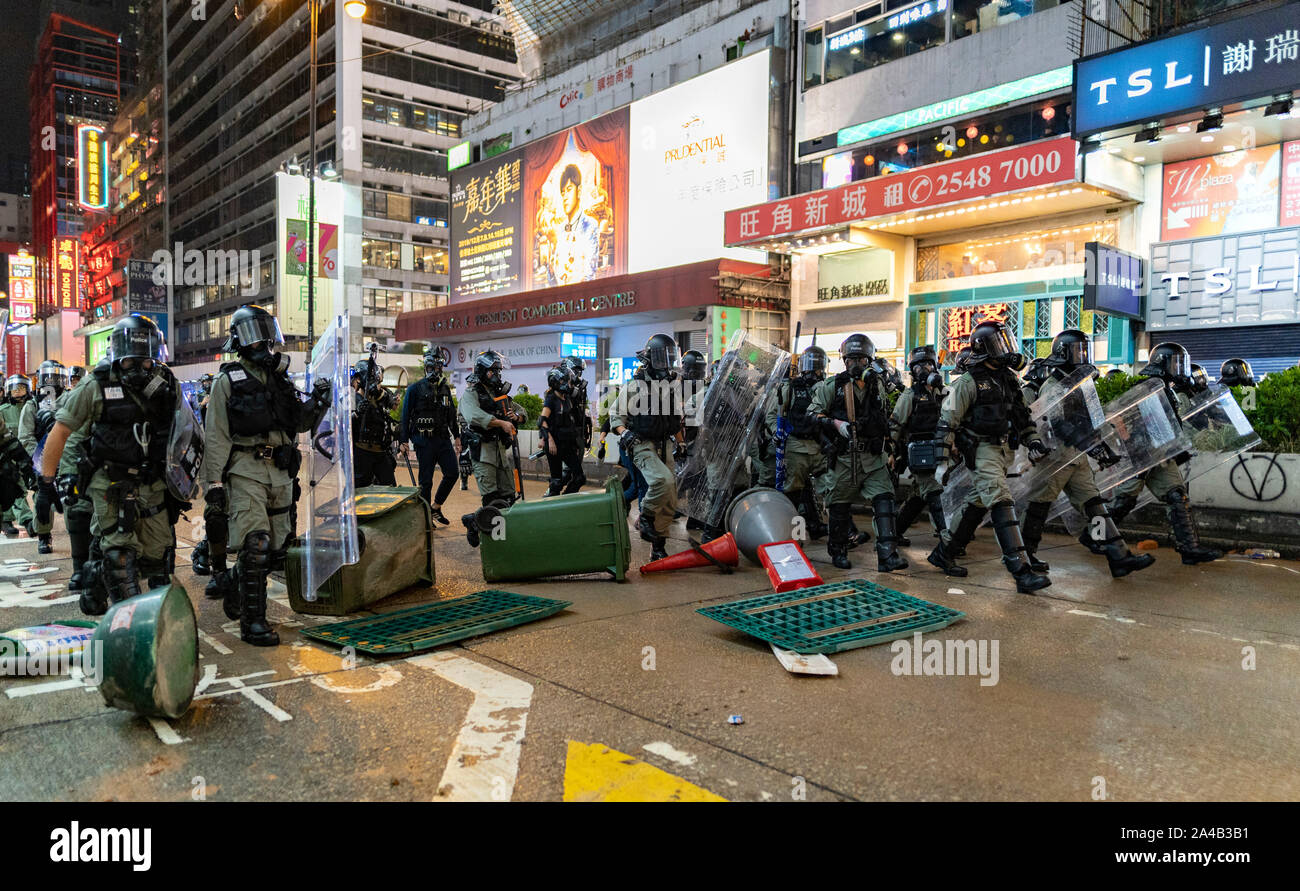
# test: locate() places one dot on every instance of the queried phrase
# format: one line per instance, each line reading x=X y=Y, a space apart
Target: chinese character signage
x=67 y=273
x=1221 y=195
x=22 y=289
x=642 y=187
x=1113 y=282
x=291 y=211
x=1290 y=200
x=852 y=274
x=992 y=173
x=92 y=167
x=961 y=320
x=1247 y=57
x=144 y=294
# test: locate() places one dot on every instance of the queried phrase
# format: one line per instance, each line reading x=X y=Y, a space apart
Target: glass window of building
x=892 y=36
x=1015 y=252
x=379 y=253
x=429 y=258
x=972 y=16
x=812 y=57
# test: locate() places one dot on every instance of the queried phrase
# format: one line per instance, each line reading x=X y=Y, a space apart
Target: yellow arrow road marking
x=595 y=772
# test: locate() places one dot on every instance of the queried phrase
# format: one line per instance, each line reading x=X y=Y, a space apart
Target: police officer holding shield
x=34 y=424
x=986 y=413
x=803 y=449
x=130 y=404
x=1071 y=350
x=853 y=415
x=490 y=418
x=429 y=423
x=646 y=419
x=251 y=461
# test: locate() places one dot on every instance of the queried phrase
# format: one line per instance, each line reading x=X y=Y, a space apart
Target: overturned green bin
x=562 y=535
x=145 y=653
x=396 y=554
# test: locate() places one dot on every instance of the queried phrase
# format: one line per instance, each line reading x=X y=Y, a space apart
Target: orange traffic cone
x=723 y=550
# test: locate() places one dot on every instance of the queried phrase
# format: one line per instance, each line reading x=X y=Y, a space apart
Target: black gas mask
x=262 y=355
x=135 y=375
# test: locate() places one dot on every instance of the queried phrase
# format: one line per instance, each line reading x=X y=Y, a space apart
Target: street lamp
x=355 y=9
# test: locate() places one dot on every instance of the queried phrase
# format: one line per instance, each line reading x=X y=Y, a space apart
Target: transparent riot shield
x=193 y=398
x=330 y=538
x=184 y=456
x=730 y=414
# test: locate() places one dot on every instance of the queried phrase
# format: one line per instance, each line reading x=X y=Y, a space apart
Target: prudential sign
x=1250 y=57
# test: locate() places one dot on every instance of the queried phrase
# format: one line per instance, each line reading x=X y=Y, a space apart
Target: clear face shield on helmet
x=259 y=329
x=1075 y=354
x=132 y=346
x=660 y=360
x=812 y=362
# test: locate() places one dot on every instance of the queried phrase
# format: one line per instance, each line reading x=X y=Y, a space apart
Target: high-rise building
x=393 y=89
x=74 y=88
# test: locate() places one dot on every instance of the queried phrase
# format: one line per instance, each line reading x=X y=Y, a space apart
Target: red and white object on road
x=788 y=569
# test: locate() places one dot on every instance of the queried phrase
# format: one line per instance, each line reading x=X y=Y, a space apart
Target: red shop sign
x=980 y=176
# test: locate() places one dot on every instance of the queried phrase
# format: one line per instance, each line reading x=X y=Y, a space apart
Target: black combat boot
x=658 y=548
x=645 y=526
x=1122 y=506
x=907 y=515
x=9 y=529
x=1007 y=529
x=1120 y=559
x=79 y=542
x=119 y=571
x=837 y=544
x=1032 y=531
x=971 y=517
x=856 y=535
x=201 y=559
x=887 y=557
x=45 y=546
x=816 y=528
x=941 y=556
x=88 y=585
x=1187 y=541
x=710 y=533
x=254 y=565
x=471 y=529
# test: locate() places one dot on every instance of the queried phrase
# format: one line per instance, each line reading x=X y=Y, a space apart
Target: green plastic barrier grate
x=433 y=624
x=831 y=618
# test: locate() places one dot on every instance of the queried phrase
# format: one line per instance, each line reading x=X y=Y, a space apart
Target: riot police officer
x=560 y=430
x=373 y=461
x=915 y=420
x=76 y=374
x=1173 y=365
x=78 y=513
x=490 y=421
x=129 y=404
x=251 y=462
x=788 y=419
x=647 y=417
x=853 y=414
x=1236 y=373
x=1071 y=350
x=429 y=423
x=987 y=413
x=203 y=396
x=34 y=424
x=17 y=393
x=694 y=369
x=1200 y=379
x=581 y=408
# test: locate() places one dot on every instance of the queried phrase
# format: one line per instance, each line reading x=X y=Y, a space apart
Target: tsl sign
x=1250 y=57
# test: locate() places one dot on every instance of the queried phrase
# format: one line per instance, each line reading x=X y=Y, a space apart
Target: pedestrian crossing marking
x=595 y=772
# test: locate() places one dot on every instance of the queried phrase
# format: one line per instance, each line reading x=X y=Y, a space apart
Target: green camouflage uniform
x=10 y=413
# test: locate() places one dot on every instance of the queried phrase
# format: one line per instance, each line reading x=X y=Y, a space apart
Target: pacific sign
x=1251 y=57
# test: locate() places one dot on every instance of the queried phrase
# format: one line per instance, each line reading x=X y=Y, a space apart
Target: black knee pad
x=255 y=554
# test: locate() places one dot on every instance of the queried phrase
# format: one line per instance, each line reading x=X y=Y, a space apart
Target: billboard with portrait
x=642 y=187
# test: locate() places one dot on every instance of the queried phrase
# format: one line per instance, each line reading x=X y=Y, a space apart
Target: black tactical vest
x=128 y=417
x=256 y=408
x=495 y=409
x=565 y=422
x=870 y=412
x=431 y=410
x=653 y=418
x=997 y=401
x=801 y=394
x=578 y=406
x=925 y=413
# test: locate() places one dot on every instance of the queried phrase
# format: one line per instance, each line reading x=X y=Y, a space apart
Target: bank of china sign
x=1247 y=279
x=1250 y=57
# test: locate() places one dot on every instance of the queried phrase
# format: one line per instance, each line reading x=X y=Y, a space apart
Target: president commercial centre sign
x=536 y=313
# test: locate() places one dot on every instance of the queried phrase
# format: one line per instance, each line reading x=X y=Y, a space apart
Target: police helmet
x=857 y=348
x=76 y=373
x=1236 y=373
x=813 y=360
x=659 y=356
x=1038 y=371
x=368 y=371
x=434 y=360
x=693 y=365
x=1169 y=361
x=137 y=337
x=251 y=325
x=1070 y=349
x=205 y=382
x=1200 y=380
x=575 y=365
x=18 y=380
x=1113 y=373
x=52 y=374
x=991 y=340
x=921 y=361
x=963 y=360
x=560 y=378
x=488 y=366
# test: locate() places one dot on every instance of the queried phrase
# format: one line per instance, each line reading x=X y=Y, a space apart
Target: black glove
x=215 y=498
x=1103 y=455
x=322 y=394
x=1037 y=450
x=46 y=498
x=66 y=487
x=627 y=440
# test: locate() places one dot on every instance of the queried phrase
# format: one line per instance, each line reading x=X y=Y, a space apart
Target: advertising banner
x=1221 y=195
x=144 y=295
x=643 y=187
x=67 y=273
x=16 y=353
x=1042 y=163
x=22 y=289
x=92 y=167
x=291 y=213
x=1290 y=200
x=1247 y=57
x=1114 y=281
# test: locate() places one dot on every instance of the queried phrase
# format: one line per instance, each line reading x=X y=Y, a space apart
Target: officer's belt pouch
x=287 y=458
x=475 y=443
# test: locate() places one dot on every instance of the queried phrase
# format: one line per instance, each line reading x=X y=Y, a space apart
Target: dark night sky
x=18 y=19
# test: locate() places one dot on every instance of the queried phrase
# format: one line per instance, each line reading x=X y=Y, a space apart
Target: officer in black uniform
x=251 y=462
x=373 y=435
x=559 y=429
x=429 y=423
x=1236 y=373
x=694 y=369
x=581 y=408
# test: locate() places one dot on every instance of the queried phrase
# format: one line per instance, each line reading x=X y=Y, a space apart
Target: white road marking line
x=74 y=680
x=669 y=753
x=250 y=693
x=1084 y=612
x=214 y=643
x=165 y=732
x=484 y=762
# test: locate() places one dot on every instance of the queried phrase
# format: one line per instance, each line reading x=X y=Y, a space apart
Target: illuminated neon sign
x=92 y=167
